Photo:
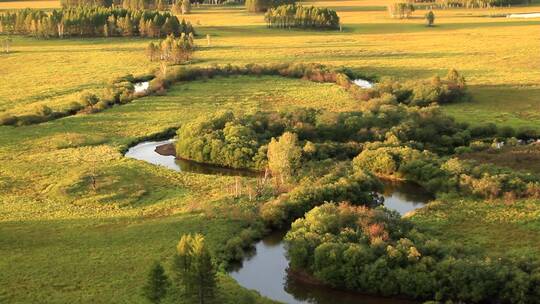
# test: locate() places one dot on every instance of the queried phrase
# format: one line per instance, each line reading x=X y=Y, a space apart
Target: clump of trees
x=257 y=6
x=340 y=184
x=423 y=93
x=193 y=273
x=297 y=16
x=401 y=10
x=87 y=21
x=172 y=49
x=378 y=252
x=445 y=175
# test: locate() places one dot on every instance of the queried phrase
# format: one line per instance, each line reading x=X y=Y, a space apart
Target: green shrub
x=7 y=120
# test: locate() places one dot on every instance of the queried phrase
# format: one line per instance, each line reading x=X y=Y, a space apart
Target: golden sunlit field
x=63 y=242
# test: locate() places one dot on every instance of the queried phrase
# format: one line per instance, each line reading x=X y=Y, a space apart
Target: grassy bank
x=53 y=221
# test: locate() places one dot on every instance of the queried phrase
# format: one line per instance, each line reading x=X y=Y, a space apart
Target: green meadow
x=61 y=241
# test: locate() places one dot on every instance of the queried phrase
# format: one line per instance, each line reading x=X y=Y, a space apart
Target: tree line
x=92 y=22
x=297 y=16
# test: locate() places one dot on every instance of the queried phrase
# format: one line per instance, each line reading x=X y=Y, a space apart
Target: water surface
x=146 y=151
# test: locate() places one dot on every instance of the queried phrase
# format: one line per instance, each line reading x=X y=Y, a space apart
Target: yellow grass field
x=498 y=53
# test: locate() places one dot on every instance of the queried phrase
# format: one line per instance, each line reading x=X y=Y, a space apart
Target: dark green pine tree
x=156 y=284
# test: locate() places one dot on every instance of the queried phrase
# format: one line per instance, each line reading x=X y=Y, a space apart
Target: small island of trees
x=297 y=16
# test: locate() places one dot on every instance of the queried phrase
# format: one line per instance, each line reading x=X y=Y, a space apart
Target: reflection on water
x=364 y=84
x=404 y=197
x=141 y=87
x=147 y=151
x=266 y=272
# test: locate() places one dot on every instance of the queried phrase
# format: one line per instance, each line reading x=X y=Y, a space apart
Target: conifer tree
x=156 y=284
x=186 y=7
x=160 y=6
x=193 y=268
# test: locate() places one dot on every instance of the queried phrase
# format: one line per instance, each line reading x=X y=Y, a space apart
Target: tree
x=203 y=269
x=5 y=44
x=156 y=284
x=89 y=100
x=186 y=7
x=177 y=7
x=160 y=6
x=400 y=10
x=284 y=155
x=255 y=6
x=194 y=271
x=152 y=51
x=430 y=18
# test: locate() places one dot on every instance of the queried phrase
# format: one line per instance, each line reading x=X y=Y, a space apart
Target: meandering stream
x=266 y=270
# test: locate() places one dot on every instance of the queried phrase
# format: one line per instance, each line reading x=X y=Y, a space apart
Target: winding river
x=266 y=270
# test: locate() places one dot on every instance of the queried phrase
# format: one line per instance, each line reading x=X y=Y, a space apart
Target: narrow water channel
x=266 y=270
x=146 y=151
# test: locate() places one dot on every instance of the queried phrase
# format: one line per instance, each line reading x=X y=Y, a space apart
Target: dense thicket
x=257 y=6
x=297 y=16
x=89 y=21
x=340 y=184
x=447 y=174
x=378 y=252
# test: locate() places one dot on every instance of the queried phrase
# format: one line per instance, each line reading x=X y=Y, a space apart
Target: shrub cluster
x=447 y=174
x=423 y=93
x=120 y=91
x=225 y=140
x=297 y=16
x=382 y=110
x=378 y=252
x=92 y=21
x=257 y=6
x=339 y=185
